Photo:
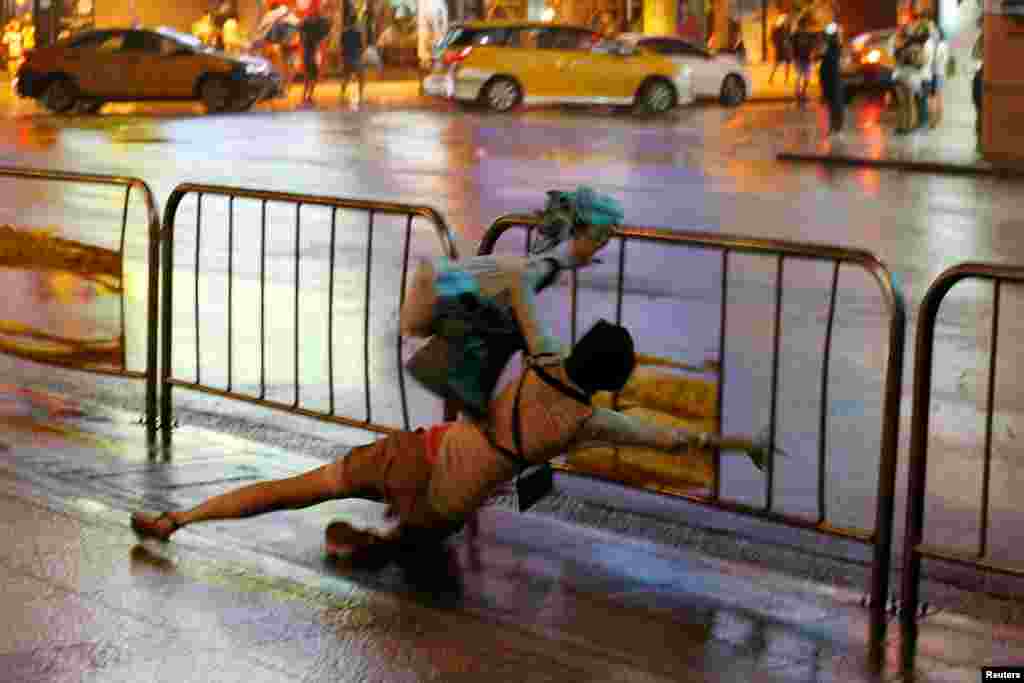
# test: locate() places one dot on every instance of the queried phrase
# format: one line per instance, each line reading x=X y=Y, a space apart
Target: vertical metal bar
x=823 y=414
x=619 y=289
x=716 y=482
x=167 y=317
x=366 y=318
x=401 y=303
x=989 y=414
x=917 y=465
x=152 y=313
x=263 y=299
x=330 y=313
x=769 y=484
x=231 y=280
x=621 y=285
x=124 y=228
x=199 y=215
x=574 y=307
x=295 y=321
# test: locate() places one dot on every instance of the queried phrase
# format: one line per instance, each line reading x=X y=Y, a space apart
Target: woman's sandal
x=149 y=526
x=762 y=450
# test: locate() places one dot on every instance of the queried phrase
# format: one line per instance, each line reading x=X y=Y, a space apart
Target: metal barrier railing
x=881 y=536
x=152 y=218
x=371 y=210
x=914 y=549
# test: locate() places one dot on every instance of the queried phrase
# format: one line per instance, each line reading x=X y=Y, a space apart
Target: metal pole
x=764 y=31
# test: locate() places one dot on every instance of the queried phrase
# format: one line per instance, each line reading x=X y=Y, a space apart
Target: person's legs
x=292 y=493
x=836 y=113
x=921 y=98
x=312 y=71
x=937 y=110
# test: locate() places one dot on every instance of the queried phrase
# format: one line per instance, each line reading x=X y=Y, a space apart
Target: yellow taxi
x=107 y=65
x=502 y=64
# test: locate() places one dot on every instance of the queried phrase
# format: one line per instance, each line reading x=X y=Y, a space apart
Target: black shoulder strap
x=530 y=363
x=552 y=275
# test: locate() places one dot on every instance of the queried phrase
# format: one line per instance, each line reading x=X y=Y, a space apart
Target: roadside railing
x=104 y=267
x=354 y=257
x=914 y=548
x=782 y=252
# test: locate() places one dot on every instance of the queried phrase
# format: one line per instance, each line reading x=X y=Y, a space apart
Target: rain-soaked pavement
x=704 y=168
x=533 y=599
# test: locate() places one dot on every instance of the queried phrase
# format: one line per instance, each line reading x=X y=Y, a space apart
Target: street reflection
x=64 y=300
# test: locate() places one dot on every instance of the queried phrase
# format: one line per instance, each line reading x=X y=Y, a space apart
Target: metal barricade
x=152 y=219
x=371 y=210
x=914 y=549
x=880 y=538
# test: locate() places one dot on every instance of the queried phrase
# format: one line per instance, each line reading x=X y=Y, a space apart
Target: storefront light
x=548 y=14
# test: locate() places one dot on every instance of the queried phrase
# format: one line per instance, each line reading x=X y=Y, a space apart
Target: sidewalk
x=255 y=600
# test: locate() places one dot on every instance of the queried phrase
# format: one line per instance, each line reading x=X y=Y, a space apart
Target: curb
x=903 y=165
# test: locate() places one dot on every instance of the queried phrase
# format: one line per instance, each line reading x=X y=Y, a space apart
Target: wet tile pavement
x=534 y=599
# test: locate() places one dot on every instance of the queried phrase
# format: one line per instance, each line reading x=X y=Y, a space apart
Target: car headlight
x=256 y=69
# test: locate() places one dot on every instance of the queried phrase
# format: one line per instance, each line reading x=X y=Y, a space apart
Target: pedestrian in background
x=940 y=65
x=313 y=28
x=273 y=37
x=352 y=66
x=781 y=39
x=913 y=73
x=831 y=82
x=805 y=45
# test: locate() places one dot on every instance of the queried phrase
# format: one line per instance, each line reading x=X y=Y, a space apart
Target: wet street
x=704 y=168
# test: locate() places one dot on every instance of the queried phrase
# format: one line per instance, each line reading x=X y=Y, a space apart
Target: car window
x=89 y=40
x=113 y=43
x=493 y=36
x=662 y=47
x=565 y=39
x=528 y=38
x=138 y=41
x=682 y=49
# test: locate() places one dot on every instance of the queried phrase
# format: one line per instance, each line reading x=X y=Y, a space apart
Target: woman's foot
x=159 y=526
x=341 y=538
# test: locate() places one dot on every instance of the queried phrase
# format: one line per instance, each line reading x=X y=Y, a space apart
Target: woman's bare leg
x=293 y=493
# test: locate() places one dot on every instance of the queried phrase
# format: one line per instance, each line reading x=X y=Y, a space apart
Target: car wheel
x=734 y=91
x=60 y=95
x=501 y=94
x=656 y=97
x=217 y=94
x=90 y=106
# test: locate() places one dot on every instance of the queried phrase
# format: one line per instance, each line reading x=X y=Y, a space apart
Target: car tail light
x=453 y=57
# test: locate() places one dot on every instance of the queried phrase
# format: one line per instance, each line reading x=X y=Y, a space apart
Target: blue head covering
x=568 y=212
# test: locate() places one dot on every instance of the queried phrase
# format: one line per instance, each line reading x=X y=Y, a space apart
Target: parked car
x=723 y=75
x=504 y=63
x=867 y=64
x=108 y=65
